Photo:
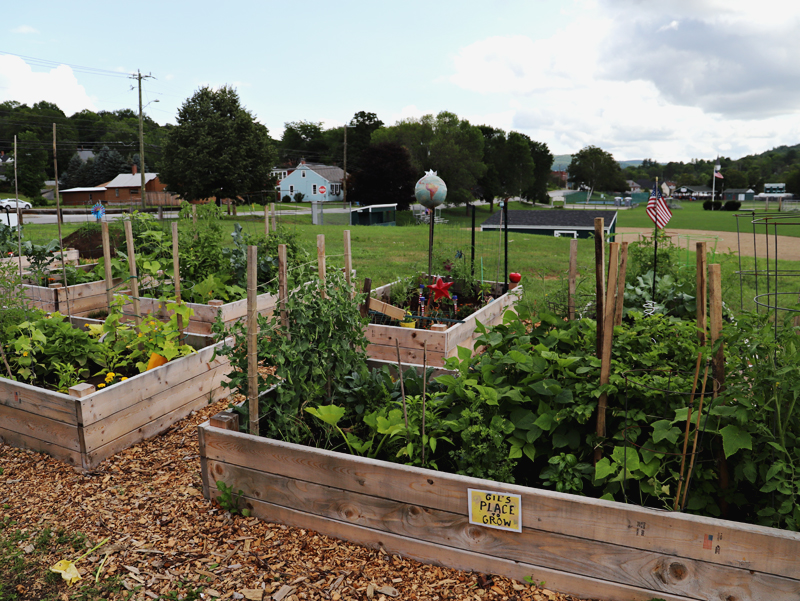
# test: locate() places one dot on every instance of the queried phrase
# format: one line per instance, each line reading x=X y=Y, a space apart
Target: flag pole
x=655 y=246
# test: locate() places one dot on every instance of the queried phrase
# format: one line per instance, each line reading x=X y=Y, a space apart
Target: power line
x=41 y=62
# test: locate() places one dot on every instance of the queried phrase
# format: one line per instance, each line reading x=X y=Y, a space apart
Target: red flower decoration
x=440 y=289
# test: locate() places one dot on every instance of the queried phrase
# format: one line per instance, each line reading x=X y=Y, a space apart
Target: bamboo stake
x=321 y=261
x=688 y=423
x=176 y=268
x=252 y=339
x=266 y=222
x=573 y=277
x=283 y=289
x=715 y=302
x=696 y=434
x=623 y=267
x=19 y=213
x=274 y=217
x=348 y=263
x=107 y=261
x=59 y=219
x=608 y=333
x=599 y=269
x=402 y=385
x=424 y=391
x=701 y=292
x=194 y=220
x=132 y=268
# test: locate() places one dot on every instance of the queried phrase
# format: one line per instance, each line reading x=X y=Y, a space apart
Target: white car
x=11 y=203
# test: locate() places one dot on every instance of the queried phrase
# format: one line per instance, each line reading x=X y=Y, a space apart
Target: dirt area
x=90 y=243
x=724 y=242
x=164 y=535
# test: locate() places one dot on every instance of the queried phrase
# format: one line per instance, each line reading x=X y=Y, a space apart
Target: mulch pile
x=165 y=535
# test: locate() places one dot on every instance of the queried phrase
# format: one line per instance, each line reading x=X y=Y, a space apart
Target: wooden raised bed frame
x=577 y=545
x=83 y=298
x=441 y=345
x=70 y=257
x=84 y=431
x=206 y=315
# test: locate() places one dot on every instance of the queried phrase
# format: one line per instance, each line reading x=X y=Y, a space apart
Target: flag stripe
x=657 y=208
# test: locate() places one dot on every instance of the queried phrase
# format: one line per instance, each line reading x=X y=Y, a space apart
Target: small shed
x=374 y=215
x=570 y=223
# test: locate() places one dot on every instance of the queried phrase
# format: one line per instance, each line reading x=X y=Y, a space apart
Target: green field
x=387 y=253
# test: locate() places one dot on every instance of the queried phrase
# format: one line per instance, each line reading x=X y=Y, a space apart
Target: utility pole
x=140 y=77
x=344 y=177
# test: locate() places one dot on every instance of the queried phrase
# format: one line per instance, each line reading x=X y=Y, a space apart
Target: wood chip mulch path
x=164 y=534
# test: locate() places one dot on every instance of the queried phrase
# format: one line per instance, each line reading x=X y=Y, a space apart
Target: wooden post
x=176 y=268
x=599 y=268
x=274 y=217
x=283 y=289
x=194 y=215
x=367 y=292
x=321 y=261
x=623 y=267
x=715 y=303
x=132 y=267
x=573 y=277
x=266 y=222
x=252 y=338
x=107 y=261
x=348 y=262
x=702 y=268
x=608 y=332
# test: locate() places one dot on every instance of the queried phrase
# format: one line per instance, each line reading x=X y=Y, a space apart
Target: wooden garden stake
x=696 y=434
x=599 y=271
x=274 y=217
x=194 y=216
x=252 y=338
x=321 y=261
x=424 y=391
x=402 y=385
x=608 y=332
x=11 y=376
x=134 y=277
x=573 y=277
x=701 y=292
x=623 y=267
x=367 y=292
x=266 y=222
x=59 y=220
x=715 y=302
x=107 y=261
x=688 y=423
x=283 y=289
x=176 y=269
x=348 y=262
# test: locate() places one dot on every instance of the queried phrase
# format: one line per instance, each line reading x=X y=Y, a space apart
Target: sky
x=669 y=80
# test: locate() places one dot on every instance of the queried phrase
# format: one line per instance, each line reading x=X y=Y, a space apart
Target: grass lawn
x=388 y=253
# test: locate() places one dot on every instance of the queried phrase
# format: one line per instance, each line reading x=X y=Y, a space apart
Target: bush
x=732 y=205
x=286 y=198
x=39 y=201
x=717 y=205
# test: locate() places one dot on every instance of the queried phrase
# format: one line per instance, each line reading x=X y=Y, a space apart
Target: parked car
x=11 y=203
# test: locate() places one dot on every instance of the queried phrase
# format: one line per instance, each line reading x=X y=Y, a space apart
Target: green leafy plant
x=230 y=501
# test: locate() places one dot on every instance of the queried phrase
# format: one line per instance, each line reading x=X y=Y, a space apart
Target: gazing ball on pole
x=430 y=190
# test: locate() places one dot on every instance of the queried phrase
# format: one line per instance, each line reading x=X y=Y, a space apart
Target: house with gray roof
x=317 y=183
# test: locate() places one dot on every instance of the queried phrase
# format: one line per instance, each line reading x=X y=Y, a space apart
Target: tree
x=107 y=165
x=385 y=177
x=448 y=145
x=595 y=168
x=359 y=137
x=542 y=167
x=31 y=164
x=217 y=149
x=302 y=139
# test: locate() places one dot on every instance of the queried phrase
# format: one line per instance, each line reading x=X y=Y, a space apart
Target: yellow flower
x=123 y=378
x=111 y=374
x=101 y=385
x=25 y=354
x=140 y=334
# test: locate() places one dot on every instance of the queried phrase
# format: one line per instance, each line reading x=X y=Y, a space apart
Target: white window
x=314 y=189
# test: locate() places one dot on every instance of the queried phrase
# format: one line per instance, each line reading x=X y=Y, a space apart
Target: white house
x=315 y=182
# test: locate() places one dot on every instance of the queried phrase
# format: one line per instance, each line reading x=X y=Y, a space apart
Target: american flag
x=657 y=208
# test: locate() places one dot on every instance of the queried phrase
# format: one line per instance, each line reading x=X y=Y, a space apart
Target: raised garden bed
x=84 y=430
x=583 y=546
x=70 y=257
x=441 y=344
x=205 y=315
x=78 y=299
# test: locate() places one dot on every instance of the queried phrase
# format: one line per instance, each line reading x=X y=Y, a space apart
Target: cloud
x=24 y=29
x=672 y=80
x=60 y=86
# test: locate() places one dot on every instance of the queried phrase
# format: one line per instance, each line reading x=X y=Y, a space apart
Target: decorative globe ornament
x=430 y=190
